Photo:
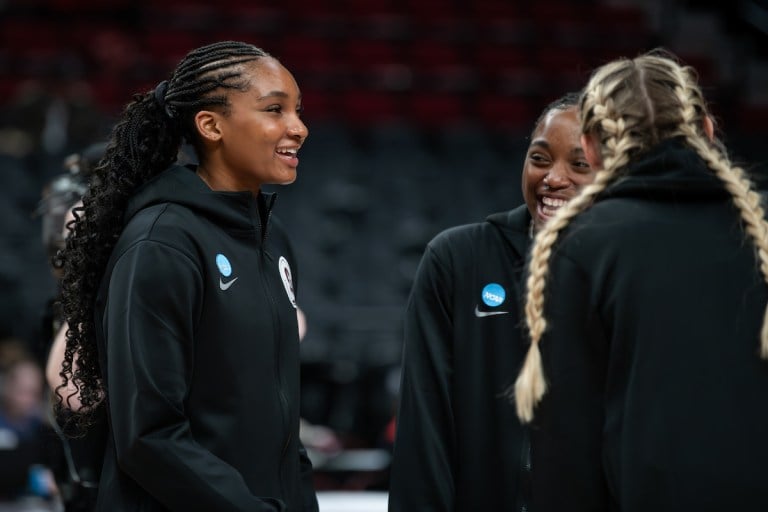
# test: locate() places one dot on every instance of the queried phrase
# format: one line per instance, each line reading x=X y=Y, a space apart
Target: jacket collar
x=235 y=212
x=514 y=226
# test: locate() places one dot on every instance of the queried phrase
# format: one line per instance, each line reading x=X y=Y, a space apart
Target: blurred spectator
x=26 y=457
x=83 y=455
x=42 y=121
x=59 y=196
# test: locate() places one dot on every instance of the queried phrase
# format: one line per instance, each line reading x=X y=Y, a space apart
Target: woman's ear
x=207 y=125
x=709 y=128
x=591 y=151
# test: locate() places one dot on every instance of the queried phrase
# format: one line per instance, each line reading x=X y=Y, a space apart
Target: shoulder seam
x=146 y=237
x=158 y=242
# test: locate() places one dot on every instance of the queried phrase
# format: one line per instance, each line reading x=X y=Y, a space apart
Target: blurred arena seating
x=418 y=113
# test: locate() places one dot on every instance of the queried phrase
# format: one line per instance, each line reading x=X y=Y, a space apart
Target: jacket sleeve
x=422 y=467
x=153 y=302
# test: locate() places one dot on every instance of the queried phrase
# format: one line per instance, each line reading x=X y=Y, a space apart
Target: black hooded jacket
x=459 y=445
x=657 y=394
x=198 y=338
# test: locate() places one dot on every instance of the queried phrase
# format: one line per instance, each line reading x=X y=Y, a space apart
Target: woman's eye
x=582 y=165
x=538 y=158
x=274 y=108
x=300 y=110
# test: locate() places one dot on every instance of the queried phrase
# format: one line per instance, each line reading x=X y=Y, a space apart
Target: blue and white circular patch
x=493 y=295
x=223 y=263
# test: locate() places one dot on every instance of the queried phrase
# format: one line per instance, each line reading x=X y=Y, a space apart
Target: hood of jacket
x=515 y=227
x=670 y=171
x=232 y=211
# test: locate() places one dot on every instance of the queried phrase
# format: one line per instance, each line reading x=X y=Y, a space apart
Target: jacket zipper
x=278 y=352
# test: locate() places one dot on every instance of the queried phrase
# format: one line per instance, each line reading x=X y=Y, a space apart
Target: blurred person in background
x=78 y=478
x=26 y=440
x=59 y=196
x=646 y=305
x=458 y=444
x=179 y=291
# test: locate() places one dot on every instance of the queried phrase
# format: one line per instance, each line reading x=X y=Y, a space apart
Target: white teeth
x=552 y=202
x=291 y=152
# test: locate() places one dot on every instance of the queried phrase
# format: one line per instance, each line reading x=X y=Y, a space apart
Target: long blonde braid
x=658 y=100
x=531 y=385
x=618 y=143
x=733 y=177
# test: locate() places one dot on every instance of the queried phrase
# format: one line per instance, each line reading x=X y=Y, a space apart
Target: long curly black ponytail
x=143 y=143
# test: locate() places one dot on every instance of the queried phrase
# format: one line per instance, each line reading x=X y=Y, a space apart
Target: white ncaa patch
x=285 y=275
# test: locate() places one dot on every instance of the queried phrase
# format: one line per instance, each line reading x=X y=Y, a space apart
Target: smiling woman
x=255 y=140
x=175 y=294
x=459 y=444
x=555 y=168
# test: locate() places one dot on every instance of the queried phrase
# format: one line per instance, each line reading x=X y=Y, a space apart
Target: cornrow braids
x=733 y=177
x=202 y=78
x=143 y=143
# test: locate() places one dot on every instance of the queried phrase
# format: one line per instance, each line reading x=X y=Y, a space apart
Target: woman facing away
x=459 y=445
x=179 y=292
x=646 y=302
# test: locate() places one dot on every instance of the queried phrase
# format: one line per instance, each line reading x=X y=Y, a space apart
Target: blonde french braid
x=531 y=385
x=733 y=177
x=658 y=99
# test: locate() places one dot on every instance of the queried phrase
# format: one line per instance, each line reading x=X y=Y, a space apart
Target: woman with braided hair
x=181 y=321
x=646 y=306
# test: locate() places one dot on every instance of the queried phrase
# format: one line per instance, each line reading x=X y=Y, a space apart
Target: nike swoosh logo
x=225 y=286
x=481 y=314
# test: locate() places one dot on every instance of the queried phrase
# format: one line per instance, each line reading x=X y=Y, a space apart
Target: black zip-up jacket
x=459 y=445
x=657 y=394
x=197 y=333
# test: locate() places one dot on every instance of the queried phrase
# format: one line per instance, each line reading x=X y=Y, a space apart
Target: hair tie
x=159 y=94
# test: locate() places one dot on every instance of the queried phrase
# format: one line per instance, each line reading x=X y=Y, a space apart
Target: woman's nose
x=299 y=130
x=556 y=178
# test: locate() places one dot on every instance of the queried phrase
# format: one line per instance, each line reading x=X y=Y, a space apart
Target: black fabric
x=83 y=454
x=656 y=395
x=201 y=356
x=459 y=445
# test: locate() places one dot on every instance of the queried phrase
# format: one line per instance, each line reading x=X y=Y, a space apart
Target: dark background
x=418 y=113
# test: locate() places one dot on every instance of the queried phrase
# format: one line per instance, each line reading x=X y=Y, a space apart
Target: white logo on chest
x=285 y=275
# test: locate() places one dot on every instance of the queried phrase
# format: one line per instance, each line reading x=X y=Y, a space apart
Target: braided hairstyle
x=143 y=143
x=629 y=106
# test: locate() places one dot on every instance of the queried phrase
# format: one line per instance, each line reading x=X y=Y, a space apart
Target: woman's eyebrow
x=273 y=94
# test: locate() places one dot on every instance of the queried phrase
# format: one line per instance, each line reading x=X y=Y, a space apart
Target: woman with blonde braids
x=646 y=304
